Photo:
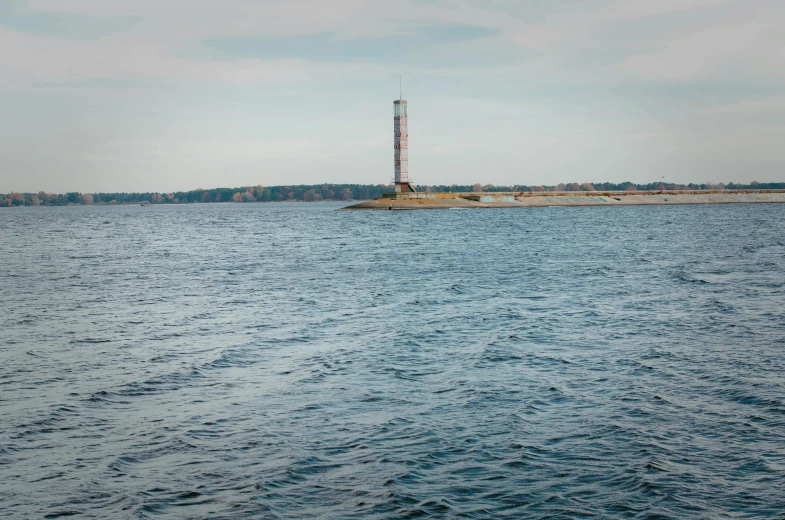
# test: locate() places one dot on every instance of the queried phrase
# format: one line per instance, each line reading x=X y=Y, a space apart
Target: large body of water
x=292 y=361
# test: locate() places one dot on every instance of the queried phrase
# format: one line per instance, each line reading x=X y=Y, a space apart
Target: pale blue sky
x=99 y=95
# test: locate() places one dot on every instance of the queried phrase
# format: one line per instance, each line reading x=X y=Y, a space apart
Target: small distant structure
x=401 y=144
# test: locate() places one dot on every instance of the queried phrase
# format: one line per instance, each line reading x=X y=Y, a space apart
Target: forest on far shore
x=341 y=192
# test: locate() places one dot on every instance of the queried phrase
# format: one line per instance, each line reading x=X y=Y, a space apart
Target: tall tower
x=401 y=143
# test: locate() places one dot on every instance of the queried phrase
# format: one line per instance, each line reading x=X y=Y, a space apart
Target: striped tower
x=401 y=143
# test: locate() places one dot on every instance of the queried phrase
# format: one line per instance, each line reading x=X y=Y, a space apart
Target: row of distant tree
x=607 y=186
x=244 y=194
x=344 y=192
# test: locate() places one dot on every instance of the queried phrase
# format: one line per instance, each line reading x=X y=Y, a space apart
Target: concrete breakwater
x=410 y=201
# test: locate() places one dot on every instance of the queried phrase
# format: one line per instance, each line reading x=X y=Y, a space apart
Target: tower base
x=404 y=187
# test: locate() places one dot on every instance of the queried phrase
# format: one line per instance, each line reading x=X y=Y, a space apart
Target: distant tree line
x=258 y=193
x=344 y=192
x=601 y=186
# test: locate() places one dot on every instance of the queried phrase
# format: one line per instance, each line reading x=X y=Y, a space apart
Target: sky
x=166 y=95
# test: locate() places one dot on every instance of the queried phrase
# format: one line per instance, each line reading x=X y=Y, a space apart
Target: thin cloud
x=126 y=93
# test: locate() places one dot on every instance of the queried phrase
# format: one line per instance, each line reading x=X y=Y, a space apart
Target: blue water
x=292 y=361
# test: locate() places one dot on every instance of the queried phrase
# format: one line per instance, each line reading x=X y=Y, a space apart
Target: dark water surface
x=291 y=361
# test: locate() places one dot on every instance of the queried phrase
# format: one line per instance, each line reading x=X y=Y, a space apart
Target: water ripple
x=290 y=361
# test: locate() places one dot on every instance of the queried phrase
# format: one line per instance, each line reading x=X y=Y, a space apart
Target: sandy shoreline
x=413 y=201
